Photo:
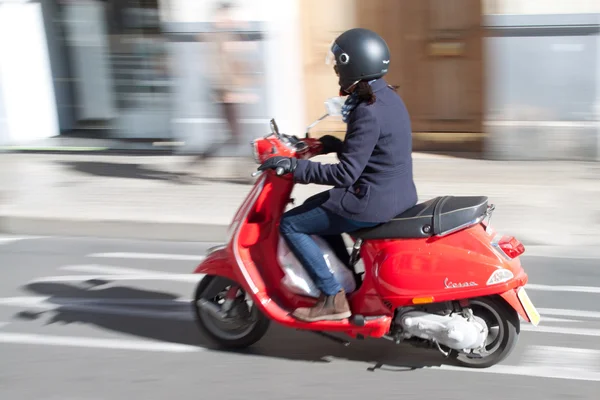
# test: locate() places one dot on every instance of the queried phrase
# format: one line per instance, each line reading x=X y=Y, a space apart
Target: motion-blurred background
x=497 y=79
x=111 y=110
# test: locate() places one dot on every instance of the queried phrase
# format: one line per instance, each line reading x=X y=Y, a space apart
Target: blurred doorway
x=437 y=61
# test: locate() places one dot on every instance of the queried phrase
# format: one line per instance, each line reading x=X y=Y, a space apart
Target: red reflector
x=511 y=246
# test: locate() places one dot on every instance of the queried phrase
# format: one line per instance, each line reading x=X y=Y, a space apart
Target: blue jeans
x=297 y=226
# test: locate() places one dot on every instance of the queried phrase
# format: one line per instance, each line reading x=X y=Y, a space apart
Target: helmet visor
x=330 y=58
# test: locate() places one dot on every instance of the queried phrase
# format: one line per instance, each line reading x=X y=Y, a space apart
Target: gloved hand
x=282 y=165
x=331 y=144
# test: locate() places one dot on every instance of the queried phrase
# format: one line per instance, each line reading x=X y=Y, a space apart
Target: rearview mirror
x=334 y=109
x=334 y=106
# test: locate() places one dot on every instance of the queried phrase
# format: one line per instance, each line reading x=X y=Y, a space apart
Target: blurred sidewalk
x=544 y=203
x=85 y=145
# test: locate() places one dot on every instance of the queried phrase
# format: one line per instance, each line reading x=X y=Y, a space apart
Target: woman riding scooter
x=373 y=181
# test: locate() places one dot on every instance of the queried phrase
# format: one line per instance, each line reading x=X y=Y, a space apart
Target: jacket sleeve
x=361 y=137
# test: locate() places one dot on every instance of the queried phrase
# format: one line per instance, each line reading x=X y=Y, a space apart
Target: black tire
x=509 y=327
x=206 y=322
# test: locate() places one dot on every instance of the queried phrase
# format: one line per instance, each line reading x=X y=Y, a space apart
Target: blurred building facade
x=506 y=79
x=437 y=62
x=138 y=69
x=28 y=107
x=543 y=79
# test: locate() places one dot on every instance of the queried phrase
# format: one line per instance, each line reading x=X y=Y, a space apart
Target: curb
x=138 y=230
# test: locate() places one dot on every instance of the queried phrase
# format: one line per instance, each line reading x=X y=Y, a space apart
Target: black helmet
x=359 y=54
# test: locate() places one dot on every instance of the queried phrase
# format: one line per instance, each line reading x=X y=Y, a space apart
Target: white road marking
x=553 y=288
x=571 y=313
x=562 y=358
x=567 y=252
x=150 y=256
x=551 y=319
x=27 y=301
x=11 y=239
x=8 y=240
x=73 y=341
x=548 y=362
x=106 y=269
x=122 y=277
x=538 y=372
x=179 y=310
x=561 y=330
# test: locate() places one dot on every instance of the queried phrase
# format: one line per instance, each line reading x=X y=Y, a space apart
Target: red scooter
x=435 y=276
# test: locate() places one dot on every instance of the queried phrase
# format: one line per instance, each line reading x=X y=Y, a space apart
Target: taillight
x=500 y=276
x=511 y=246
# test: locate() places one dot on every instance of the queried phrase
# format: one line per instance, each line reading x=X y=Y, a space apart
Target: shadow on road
x=137 y=171
x=119 y=170
x=159 y=316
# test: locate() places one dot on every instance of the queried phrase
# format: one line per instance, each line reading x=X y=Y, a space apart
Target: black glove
x=331 y=144
x=283 y=165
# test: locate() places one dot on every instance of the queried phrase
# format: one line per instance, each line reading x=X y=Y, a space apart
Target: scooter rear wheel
x=504 y=327
x=240 y=327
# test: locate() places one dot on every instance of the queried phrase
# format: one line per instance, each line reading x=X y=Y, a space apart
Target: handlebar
x=283 y=144
x=279 y=172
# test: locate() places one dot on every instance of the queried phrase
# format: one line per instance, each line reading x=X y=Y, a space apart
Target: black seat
x=437 y=216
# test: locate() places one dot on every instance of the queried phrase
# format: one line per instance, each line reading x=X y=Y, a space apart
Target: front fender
x=217 y=263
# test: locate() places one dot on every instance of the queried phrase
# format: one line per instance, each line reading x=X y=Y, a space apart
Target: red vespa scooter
x=435 y=276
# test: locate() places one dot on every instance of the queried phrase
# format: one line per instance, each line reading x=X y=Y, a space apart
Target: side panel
x=445 y=268
x=367 y=300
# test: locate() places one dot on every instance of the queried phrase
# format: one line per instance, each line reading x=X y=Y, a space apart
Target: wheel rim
x=496 y=330
x=241 y=319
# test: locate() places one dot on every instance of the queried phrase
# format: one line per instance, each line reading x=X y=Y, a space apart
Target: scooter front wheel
x=226 y=314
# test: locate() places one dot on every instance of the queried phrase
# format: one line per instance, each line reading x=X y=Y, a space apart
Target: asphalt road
x=108 y=319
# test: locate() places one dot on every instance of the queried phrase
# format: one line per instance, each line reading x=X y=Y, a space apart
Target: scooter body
x=412 y=288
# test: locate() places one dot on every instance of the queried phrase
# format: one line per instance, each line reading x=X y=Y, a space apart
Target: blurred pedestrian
x=229 y=78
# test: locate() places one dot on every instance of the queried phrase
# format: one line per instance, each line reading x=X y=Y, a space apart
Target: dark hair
x=364 y=91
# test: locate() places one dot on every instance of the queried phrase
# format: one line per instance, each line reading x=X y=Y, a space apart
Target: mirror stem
x=308 y=128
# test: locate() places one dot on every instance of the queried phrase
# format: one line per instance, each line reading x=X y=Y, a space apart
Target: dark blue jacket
x=373 y=181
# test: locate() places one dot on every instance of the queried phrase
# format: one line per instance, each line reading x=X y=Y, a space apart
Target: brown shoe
x=327 y=308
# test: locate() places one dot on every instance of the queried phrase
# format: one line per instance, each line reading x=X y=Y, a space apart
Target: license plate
x=530 y=310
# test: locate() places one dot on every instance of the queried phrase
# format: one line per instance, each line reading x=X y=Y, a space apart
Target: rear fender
x=511 y=298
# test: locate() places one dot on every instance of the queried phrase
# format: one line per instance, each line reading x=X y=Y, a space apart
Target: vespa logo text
x=453 y=285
